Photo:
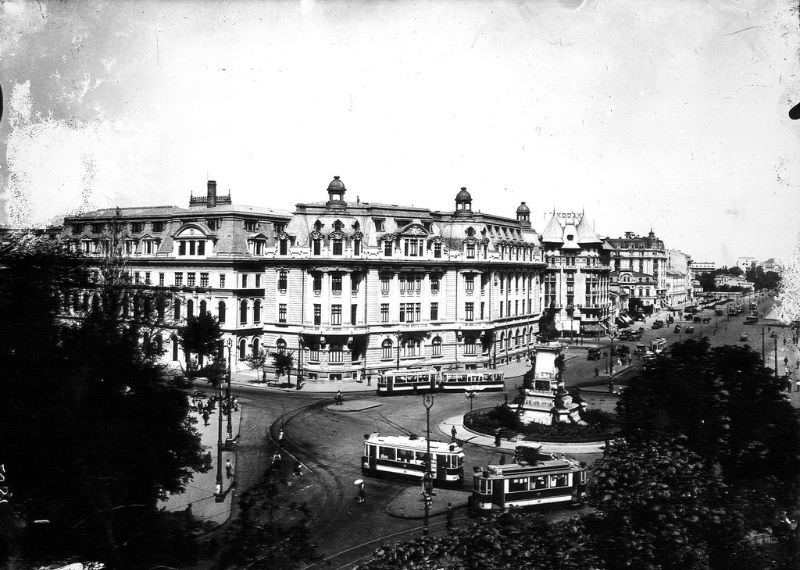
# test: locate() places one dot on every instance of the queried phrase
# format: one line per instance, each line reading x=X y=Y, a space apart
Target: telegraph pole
x=427 y=401
x=776 y=357
x=763 y=348
x=230 y=411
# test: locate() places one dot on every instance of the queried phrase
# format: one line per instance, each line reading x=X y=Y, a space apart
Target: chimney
x=211 y=195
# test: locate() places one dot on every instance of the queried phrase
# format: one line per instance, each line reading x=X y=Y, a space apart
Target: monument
x=544 y=399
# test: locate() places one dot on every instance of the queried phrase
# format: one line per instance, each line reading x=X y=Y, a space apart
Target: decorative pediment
x=315 y=235
x=388 y=237
x=436 y=239
x=470 y=240
x=257 y=235
x=357 y=235
x=318 y=225
x=282 y=235
x=484 y=241
x=413 y=230
x=192 y=230
x=336 y=234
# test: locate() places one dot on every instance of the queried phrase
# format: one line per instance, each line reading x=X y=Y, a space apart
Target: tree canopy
x=92 y=434
x=201 y=336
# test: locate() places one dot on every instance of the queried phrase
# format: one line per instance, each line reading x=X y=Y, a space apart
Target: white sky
x=665 y=114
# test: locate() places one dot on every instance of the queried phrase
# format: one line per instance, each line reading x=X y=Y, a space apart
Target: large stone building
x=640 y=263
x=576 y=281
x=352 y=287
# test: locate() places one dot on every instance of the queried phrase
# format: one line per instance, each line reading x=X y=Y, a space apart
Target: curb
x=547 y=446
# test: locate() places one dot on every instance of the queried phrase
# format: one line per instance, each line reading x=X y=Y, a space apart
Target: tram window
x=483 y=486
x=520 y=484
x=405 y=455
x=542 y=385
x=399 y=379
x=422 y=456
x=388 y=453
x=539 y=482
x=559 y=480
x=422 y=378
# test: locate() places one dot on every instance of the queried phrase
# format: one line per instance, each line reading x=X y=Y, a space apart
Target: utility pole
x=219 y=493
x=230 y=435
x=776 y=357
x=427 y=401
x=763 y=348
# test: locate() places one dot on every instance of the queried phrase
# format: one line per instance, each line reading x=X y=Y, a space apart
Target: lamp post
x=427 y=401
x=228 y=396
x=471 y=395
x=219 y=494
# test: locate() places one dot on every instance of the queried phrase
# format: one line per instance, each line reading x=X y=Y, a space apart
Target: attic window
x=402 y=223
x=570 y=237
x=250 y=225
x=379 y=224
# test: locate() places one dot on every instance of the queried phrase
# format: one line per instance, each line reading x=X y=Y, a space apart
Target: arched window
x=176 y=312
x=242 y=349
x=386 y=349
x=189 y=308
x=502 y=338
x=280 y=346
x=202 y=308
x=256 y=346
x=257 y=311
x=221 y=312
x=516 y=339
x=436 y=346
x=243 y=312
x=174 y=340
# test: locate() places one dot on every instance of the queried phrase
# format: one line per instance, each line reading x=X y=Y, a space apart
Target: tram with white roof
x=528 y=482
x=406 y=456
x=472 y=380
x=407 y=381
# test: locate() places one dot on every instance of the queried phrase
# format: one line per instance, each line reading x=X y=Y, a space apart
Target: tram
x=407 y=381
x=472 y=380
x=528 y=482
x=407 y=456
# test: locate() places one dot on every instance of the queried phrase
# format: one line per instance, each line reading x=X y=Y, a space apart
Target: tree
x=730 y=408
x=257 y=361
x=201 y=336
x=707 y=282
x=662 y=506
x=93 y=435
x=283 y=361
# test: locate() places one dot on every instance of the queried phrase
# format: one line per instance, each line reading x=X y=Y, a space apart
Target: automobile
x=637 y=316
x=677 y=329
x=706 y=319
x=718 y=312
x=593 y=354
x=658 y=324
x=743 y=337
x=689 y=330
x=640 y=329
x=641 y=349
x=697 y=319
x=750 y=320
x=649 y=356
x=687 y=316
x=627 y=335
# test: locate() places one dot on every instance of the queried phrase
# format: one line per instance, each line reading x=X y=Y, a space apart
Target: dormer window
x=251 y=225
x=98 y=228
x=387 y=248
x=337 y=246
x=279 y=227
x=427 y=226
x=213 y=224
x=357 y=247
x=316 y=247
x=413 y=247
x=437 y=250
x=283 y=247
x=77 y=229
x=130 y=247
x=256 y=246
x=380 y=225
x=149 y=246
x=470 y=251
x=401 y=223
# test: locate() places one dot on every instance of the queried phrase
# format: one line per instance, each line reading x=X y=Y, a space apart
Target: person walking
x=453 y=434
x=229 y=468
x=497 y=437
x=280 y=437
x=276 y=461
x=205 y=417
x=362 y=492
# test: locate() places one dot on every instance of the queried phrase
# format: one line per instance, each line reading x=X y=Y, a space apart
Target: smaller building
x=745 y=263
x=698 y=267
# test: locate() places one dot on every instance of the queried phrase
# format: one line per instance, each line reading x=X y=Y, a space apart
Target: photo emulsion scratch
x=381 y=285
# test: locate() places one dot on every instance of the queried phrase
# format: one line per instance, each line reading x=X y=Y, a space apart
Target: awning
x=592 y=328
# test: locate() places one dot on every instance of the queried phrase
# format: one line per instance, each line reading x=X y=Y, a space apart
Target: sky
x=670 y=115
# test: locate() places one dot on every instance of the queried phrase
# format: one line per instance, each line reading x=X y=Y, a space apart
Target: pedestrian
x=339 y=398
x=362 y=492
x=280 y=437
x=229 y=468
x=298 y=469
x=205 y=417
x=276 y=461
x=453 y=434
x=596 y=372
x=784 y=341
x=497 y=437
x=449 y=516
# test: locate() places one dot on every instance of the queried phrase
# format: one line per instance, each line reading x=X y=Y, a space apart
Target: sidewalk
x=198 y=496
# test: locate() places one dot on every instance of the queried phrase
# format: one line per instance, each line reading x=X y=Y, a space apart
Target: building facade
x=643 y=260
x=576 y=280
x=351 y=288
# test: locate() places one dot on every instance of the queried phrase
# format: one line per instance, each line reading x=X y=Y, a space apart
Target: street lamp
x=471 y=395
x=427 y=401
x=228 y=441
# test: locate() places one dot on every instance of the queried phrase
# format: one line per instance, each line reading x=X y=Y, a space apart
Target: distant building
x=772 y=264
x=576 y=280
x=637 y=257
x=745 y=263
x=698 y=267
x=679 y=278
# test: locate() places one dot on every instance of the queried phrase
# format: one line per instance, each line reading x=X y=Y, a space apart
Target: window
x=160 y=279
x=137 y=277
x=417 y=311
x=282 y=313
x=470 y=251
x=402 y=312
x=379 y=225
x=280 y=346
x=335 y=353
x=243 y=312
x=336 y=284
x=469 y=282
x=221 y=312
x=516 y=485
x=483 y=306
x=158 y=227
x=559 y=480
x=411 y=348
x=136 y=227
x=258 y=280
x=436 y=346
x=213 y=223
x=222 y=280
x=284 y=247
x=278 y=227
x=176 y=308
x=336 y=315
x=353 y=314
x=282 y=279
x=244 y=281
x=150 y=246
x=337 y=247
x=470 y=347
x=190 y=279
x=250 y=225
x=387 y=248
x=77 y=229
x=204 y=280
x=316 y=247
x=434 y=284
x=355 y=280
x=469 y=311
x=413 y=247
x=203 y=308
x=257 y=311
x=437 y=250
x=434 y=311
x=384 y=285
x=317 y=283
x=189 y=307
x=313 y=353
x=386 y=350
x=242 y=349
x=357 y=247
x=516 y=308
x=147 y=278
x=384 y=312
x=178 y=279
x=317 y=314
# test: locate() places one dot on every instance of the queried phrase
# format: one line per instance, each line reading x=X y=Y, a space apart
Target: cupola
x=524 y=215
x=336 y=192
x=463 y=203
